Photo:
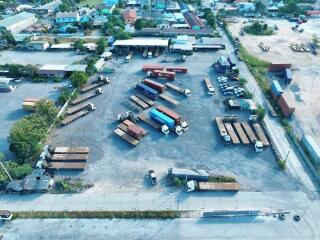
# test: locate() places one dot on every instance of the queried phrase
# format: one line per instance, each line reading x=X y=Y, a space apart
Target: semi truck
x=222 y=130
x=162 y=73
x=147 y=91
x=129 y=56
x=212 y=186
x=209 y=86
x=85 y=97
x=145 y=99
x=143 y=117
x=186 y=91
x=151 y=67
x=231 y=132
x=262 y=137
x=77 y=108
x=258 y=146
x=169 y=99
x=175 y=116
x=177 y=69
x=155 y=85
x=74 y=117
x=100 y=81
x=166 y=122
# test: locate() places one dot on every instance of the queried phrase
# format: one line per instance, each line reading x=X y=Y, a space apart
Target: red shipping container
x=155 y=85
x=165 y=74
x=284 y=107
x=278 y=67
x=175 y=116
x=151 y=67
x=135 y=131
x=177 y=69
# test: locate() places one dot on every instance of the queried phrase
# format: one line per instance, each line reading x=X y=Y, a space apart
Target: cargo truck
x=74 y=117
x=175 y=116
x=209 y=86
x=177 y=69
x=155 y=85
x=222 y=130
x=144 y=118
x=186 y=92
x=262 y=137
x=85 y=97
x=166 y=122
x=129 y=56
x=151 y=67
x=231 y=132
x=80 y=107
x=162 y=73
x=102 y=79
x=147 y=91
x=126 y=137
x=212 y=186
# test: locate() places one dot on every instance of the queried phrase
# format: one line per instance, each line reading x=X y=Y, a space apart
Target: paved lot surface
x=39 y=58
x=116 y=166
x=186 y=228
x=11 y=106
x=303 y=92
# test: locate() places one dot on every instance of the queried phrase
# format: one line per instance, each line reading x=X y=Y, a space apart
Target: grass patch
x=98 y=214
x=91 y=3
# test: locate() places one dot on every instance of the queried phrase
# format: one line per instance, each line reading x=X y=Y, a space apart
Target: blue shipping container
x=312 y=147
x=148 y=91
x=288 y=76
x=161 y=118
x=276 y=89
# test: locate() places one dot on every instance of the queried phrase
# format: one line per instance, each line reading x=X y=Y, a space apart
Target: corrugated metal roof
x=7 y=22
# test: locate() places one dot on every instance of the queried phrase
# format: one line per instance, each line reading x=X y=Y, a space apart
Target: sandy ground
x=303 y=93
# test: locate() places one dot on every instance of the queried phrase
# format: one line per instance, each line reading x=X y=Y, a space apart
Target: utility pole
x=285 y=160
x=4 y=168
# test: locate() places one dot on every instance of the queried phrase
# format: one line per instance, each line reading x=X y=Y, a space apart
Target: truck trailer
x=169 y=99
x=209 y=86
x=262 y=137
x=147 y=91
x=151 y=67
x=222 y=130
x=231 y=132
x=177 y=69
x=143 y=117
x=155 y=85
x=189 y=174
x=212 y=186
x=80 y=107
x=74 y=157
x=145 y=99
x=139 y=102
x=175 y=116
x=241 y=133
x=85 y=97
x=186 y=92
x=166 y=122
x=125 y=136
x=64 y=150
x=74 y=117
x=162 y=73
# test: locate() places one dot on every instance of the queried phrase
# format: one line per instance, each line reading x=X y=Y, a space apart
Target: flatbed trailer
x=145 y=99
x=83 y=98
x=231 y=132
x=169 y=99
x=125 y=136
x=81 y=157
x=90 y=87
x=139 y=102
x=77 y=108
x=175 y=87
x=71 y=150
x=73 y=117
x=128 y=123
x=249 y=132
x=67 y=166
x=221 y=126
x=262 y=137
x=241 y=133
x=143 y=117
x=218 y=186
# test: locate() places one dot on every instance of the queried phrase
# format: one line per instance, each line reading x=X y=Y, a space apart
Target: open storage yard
x=114 y=165
x=303 y=93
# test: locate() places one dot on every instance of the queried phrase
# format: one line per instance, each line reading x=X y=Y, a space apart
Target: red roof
x=130 y=14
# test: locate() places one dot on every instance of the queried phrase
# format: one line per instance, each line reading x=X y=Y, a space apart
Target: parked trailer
x=249 y=132
x=145 y=99
x=133 y=130
x=69 y=157
x=212 y=186
x=169 y=99
x=85 y=97
x=155 y=85
x=209 y=86
x=143 y=117
x=241 y=133
x=177 y=69
x=223 y=132
x=262 y=137
x=140 y=103
x=128 y=123
x=175 y=116
x=67 y=166
x=231 y=132
x=90 y=87
x=186 y=92
x=151 y=67
x=71 y=150
x=162 y=73
x=78 y=108
x=147 y=91
x=125 y=136
x=73 y=117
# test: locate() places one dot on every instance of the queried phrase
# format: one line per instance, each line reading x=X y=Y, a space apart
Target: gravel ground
x=115 y=166
x=303 y=92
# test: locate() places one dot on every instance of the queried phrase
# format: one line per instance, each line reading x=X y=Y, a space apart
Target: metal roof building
x=18 y=22
x=142 y=42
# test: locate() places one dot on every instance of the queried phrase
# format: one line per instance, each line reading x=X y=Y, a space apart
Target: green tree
x=116 y=11
x=143 y=23
x=261 y=112
x=78 y=79
x=79 y=45
x=47 y=110
x=291 y=8
x=122 y=35
x=101 y=45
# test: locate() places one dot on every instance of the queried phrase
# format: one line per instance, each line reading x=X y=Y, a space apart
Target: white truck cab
x=91 y=107
x=187 y=92
x=99 y=91
x=184 y=126
x=165 y=129
x=210 y=90
x=258 y=146
x=179 y=130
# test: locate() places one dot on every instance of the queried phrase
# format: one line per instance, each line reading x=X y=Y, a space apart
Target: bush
x=282 y=164
x=57 y=79
x=177 y=182
x=258 y=29
x=39 y=80
x=261 y=112
x=16 y=171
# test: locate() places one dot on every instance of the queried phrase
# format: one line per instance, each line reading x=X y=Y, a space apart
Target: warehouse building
x=60 y=70
x=18 y=22
x=141 y=44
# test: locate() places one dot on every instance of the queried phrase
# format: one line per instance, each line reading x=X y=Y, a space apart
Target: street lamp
x=285 y=160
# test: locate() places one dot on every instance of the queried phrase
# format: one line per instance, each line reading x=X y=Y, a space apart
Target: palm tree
x=260 y=7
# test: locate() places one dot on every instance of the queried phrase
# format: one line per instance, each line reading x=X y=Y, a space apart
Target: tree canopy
x=78 y=79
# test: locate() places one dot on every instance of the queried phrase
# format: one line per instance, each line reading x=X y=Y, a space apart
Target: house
x=193 y=20
x=59 y=70
x=67 y=17
x=172 y=6
x=18 y=22
x=130 y=16
x=37 y=45
x=48 y=9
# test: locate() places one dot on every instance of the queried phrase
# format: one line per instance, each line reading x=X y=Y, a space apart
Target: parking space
x=116 y=166
x=11 y=106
